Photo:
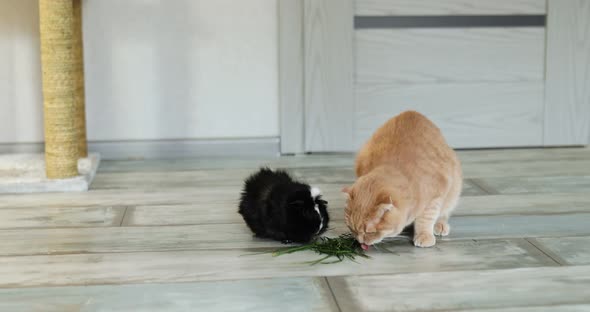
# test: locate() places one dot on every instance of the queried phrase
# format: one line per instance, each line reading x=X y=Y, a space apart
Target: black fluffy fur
x=276 y=206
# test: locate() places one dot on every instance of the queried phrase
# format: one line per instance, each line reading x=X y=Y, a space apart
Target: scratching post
x=62 y=62
x=79 y=91
x=62 y=148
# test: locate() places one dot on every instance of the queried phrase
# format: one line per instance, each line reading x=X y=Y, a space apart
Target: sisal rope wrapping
x=59 y=112
x=79 y=92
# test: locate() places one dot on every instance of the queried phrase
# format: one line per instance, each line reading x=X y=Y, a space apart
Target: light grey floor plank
x=549 y=184
x=207 y=265
x=179 y=179
x=522 y=204
x=169 y=165
x=213 y=205
x=574 y=250
x=472 y=189
x=238 y=236
x=548 y=308
x=524 y=155
x=479 y=183
x=129 y=239
x=336 y=175
x=212 y=209
x=548 y=252
x=520 y=226
x=151 y=196
x=332 y=178
x=450 y=291
x=202 y=195
x=289 y=294
x=120 y=197
x=184 y=215
x=528 y=168
x=339 y=160
x=232 y=180
x=50 y=217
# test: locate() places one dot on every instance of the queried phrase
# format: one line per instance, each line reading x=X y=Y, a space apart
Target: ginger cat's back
x=411 y=143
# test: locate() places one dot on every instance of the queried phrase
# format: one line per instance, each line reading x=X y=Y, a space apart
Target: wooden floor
x=165 y=236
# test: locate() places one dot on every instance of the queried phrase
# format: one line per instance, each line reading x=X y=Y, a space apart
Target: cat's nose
x=360 y=239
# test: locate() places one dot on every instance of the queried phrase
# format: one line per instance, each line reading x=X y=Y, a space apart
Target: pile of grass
x=342 y=247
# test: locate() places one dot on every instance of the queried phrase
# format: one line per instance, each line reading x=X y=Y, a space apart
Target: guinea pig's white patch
x=317 y=209
x=315 y=192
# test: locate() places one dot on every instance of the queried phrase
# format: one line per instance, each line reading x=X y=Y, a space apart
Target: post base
x=25 y=173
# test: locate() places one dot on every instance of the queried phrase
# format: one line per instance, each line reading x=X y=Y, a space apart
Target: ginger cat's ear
x=371 y=225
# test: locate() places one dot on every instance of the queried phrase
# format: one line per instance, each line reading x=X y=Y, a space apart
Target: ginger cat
x=406 y=173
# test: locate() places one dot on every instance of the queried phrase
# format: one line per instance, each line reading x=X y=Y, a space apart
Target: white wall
x=21 y=117
x=155 y=69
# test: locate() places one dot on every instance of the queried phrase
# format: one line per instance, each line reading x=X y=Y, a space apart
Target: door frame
x=290 y=49
x=315 y=68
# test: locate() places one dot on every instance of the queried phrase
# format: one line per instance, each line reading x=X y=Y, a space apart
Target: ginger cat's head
x=370 y=213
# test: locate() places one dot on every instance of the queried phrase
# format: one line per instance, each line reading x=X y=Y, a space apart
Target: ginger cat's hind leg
x=424 y=225
x=442 y=227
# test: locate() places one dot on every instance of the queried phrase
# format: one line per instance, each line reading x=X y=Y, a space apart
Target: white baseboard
x=160 y=149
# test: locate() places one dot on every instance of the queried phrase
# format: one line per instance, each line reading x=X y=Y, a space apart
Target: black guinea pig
x=276 y=206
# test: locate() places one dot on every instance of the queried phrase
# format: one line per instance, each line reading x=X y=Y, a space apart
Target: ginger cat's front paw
x=424 y=240
x=442 y=228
